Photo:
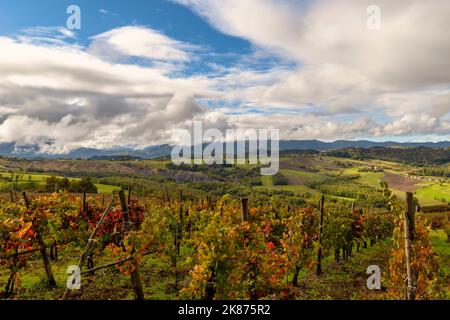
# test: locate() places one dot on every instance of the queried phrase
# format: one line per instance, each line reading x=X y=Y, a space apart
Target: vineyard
x=179 y=247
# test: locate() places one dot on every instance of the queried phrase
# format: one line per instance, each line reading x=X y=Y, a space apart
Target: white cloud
x=410 y=50
x=49 y=32
x=335 y=80
x=137 y=41
x=342 y=66
x=69 y=97
x=108 y=13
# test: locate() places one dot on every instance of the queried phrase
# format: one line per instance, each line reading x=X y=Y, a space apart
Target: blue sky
x=99 y=16
x=175 y=20
x=311 y=68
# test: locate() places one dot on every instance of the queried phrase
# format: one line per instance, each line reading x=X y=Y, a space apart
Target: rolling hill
x=158 y=151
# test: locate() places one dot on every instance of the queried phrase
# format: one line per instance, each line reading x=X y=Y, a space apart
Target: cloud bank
x=337 y=79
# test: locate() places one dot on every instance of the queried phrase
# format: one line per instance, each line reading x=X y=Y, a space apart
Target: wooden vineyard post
x=90 y=263
x=137 y=284
x=319 y=254
x=136 y=274
x=40 y=241
x=244 y=209
x=84 y=201
x=129 y=195
x=11 y=196
x=26 y=199
x=358 y=243
x=166 y=194
x=364 y=239
x=89 y=244
x=123 y=204
x=9 y=289
x=179 y=225
x=409 y=223
x=54 y=251
x=181 y=207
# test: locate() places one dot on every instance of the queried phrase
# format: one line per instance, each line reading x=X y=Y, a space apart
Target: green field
x=39 y=179
x=372 y=179
x=342 y=182
x=106 y=189
x=303 y=176
x=302 y=172
x=297 y=189
x=434 y=194
x=267 y=181
x=441 y=246
x=428 y=193
x=24 y=177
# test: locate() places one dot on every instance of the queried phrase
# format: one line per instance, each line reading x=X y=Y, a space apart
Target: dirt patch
x=299 y=163
x=399 y=182
x=308 y=163
x=294 y=180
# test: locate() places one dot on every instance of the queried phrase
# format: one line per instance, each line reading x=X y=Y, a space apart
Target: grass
x=346 y=280
x=106 y=284
x=40 y=180
x=372 y=179
x=427 y=194
x=24 y=177
x=365 y=163
x=304 y=176
x=106 y=189
x=441 y=246
x=433 y=194
x=157 y=276
x=267 y=181
x=297 y=189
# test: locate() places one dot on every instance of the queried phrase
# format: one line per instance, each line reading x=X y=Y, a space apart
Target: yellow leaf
x=24 y=230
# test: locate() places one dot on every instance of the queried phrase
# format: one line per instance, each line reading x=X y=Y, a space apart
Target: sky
x=136 y=71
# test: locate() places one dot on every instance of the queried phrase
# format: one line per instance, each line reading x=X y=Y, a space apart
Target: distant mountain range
x=341 y=144
x=32 y=151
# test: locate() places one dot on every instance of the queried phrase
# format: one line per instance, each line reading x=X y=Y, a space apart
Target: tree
x=83 y=184
x=70 y=186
